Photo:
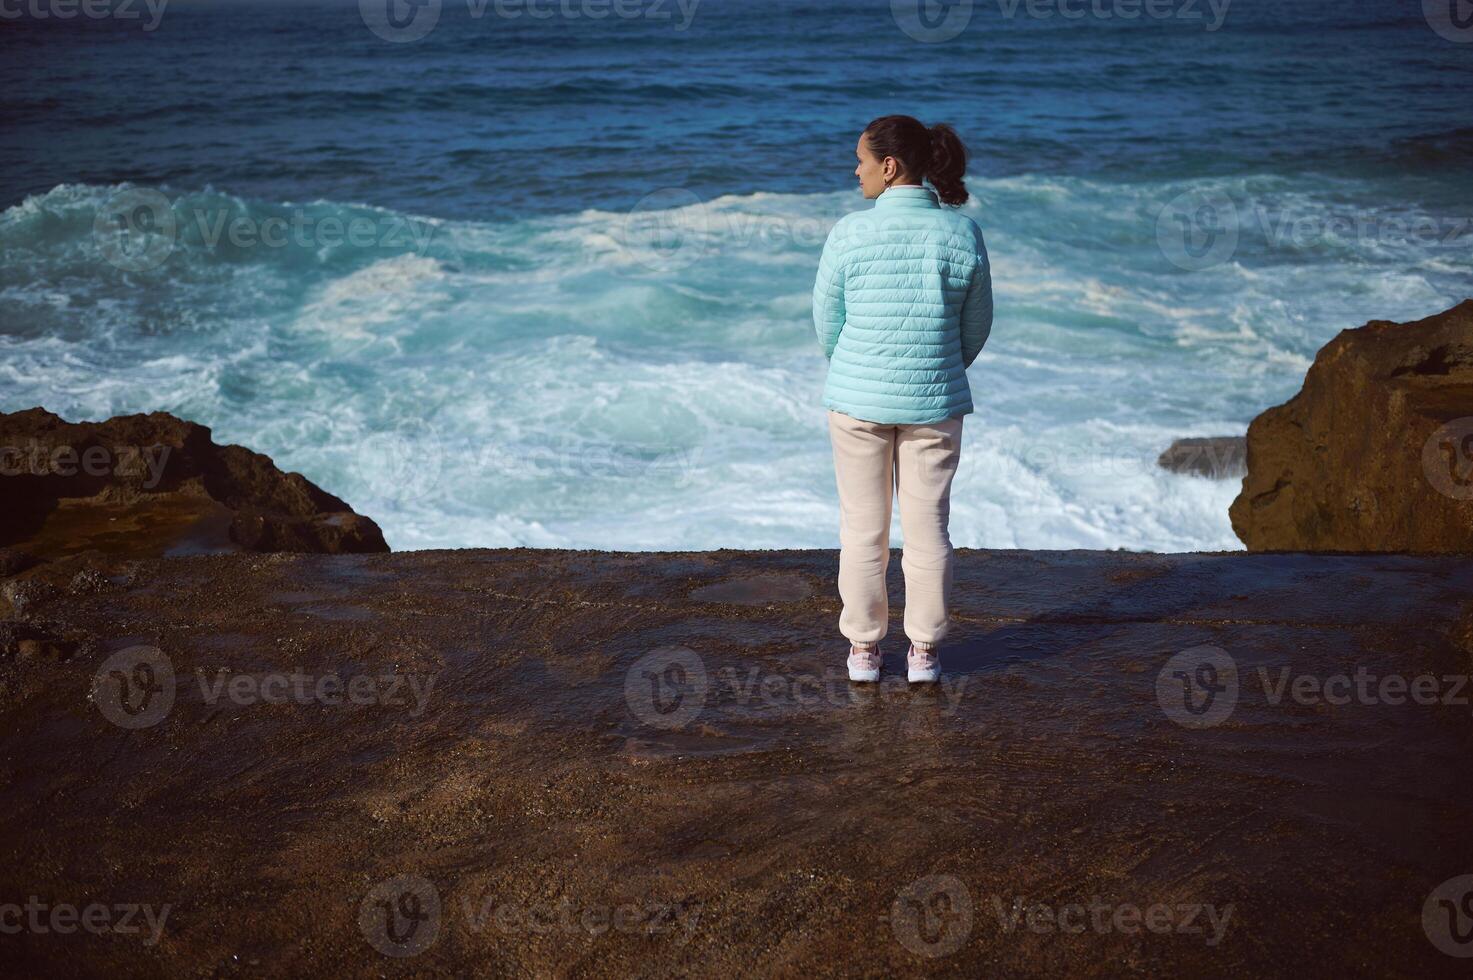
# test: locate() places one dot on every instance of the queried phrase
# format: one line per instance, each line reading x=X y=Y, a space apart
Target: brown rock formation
x=1375 y=453
x=156 y=484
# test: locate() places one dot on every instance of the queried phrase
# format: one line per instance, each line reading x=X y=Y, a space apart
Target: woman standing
x=902 y=304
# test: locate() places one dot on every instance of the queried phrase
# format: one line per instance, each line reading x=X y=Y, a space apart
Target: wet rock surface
x=1215 y=457
x=13 y=561
x=24 y=595
x=1375 y=453
x=525 y=762
x=152 y=485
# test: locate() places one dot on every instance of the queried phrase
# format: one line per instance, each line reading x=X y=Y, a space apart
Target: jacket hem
x=887 y=417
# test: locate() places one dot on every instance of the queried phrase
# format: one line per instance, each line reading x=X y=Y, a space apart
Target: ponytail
x=948 y=165
x=935 y=154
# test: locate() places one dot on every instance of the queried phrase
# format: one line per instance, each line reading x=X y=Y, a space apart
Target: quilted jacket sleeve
x=977 y=307
x=828 y=294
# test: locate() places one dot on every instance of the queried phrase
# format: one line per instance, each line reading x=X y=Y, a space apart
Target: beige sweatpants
x=872 y=462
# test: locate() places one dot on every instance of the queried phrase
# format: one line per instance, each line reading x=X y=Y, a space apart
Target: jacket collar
x=907 y=197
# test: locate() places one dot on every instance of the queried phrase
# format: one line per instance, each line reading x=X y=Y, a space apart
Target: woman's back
x=903 y=305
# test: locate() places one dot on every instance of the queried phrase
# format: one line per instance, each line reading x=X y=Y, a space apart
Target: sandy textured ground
x=581 y=763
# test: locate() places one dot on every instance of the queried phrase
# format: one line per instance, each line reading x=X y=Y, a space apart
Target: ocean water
x=544 y=280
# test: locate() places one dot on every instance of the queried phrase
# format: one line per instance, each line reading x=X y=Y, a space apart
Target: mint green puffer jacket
x=902 y=305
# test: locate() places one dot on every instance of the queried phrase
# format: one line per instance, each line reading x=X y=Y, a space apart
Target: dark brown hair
x=935 y=154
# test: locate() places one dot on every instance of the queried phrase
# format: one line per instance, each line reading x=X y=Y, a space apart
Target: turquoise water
x=573 y=307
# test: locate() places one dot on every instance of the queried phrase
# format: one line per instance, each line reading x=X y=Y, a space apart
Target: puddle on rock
x=757 y=590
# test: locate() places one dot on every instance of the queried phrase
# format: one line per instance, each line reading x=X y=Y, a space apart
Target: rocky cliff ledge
x=577 y=764
x=1375 y=453
x=142 y=485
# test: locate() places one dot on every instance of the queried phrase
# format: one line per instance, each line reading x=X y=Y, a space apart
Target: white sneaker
x=922 y=666
x=864 y=665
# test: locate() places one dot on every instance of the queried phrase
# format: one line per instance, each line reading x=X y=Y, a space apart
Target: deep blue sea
x=514 y=273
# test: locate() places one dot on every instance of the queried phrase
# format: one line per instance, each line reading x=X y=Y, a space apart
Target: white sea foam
x=652 y=381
